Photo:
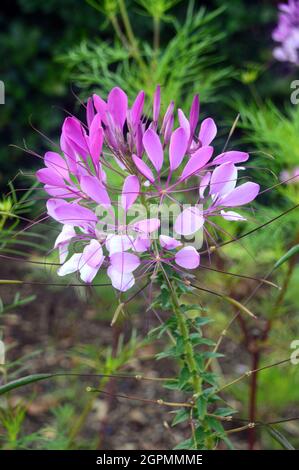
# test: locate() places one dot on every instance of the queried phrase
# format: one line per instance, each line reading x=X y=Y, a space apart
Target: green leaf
x=201 y=321
x=170 y=352
x=24 y=381
x=214 y=355
x=216 y=425
x=187 y=444
x=201 y=406
x=205 y=341
x=293 y=251
x=280 y=438
x=183 y=377
x=225 y=411
x=171 y=385
x=210 y=377
x=181 y=416
x=228 y=442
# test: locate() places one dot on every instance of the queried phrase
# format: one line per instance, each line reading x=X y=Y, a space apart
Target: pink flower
x=157 y=162
x=287 y=33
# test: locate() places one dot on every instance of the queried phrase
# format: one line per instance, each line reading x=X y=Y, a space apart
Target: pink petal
x=51 y=177
x=141 y=244
x=232 y=156
x=189 y=221
x=194 y=114
x=101 y=107
x=130 y=191
x=241 y=195
x=168 y=130
x=184 y=123
x=223 y=179
x=187 y=258
x=137 y=108
x=138 y=140
x=54 y=161
x=95 y=189
x=207 y=132
x=96 y=138
x=143 y=168
x=89 y=111
x=93 y=254
x=120 y=281
x=168 y=115
x=56 y=191
x=156 y=105
x=74 y=214
x=153 y=148
x=69 y=153
x=177 y=148
x=204 y=183
x=169 y=243
x=231 y=215
x=75 y=133
x=52 y=205
x=117 y=105
x=196 y=162
x=147 y=225
x=124 y=262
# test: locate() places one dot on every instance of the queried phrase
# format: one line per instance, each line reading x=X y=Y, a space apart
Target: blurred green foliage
x=49 y=47
x=223 y=50
x=31 y=33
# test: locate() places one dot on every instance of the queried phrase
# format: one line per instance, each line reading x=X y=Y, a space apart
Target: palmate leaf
x=279 y=437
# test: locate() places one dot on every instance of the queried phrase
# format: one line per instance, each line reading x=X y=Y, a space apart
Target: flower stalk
x=185 y=333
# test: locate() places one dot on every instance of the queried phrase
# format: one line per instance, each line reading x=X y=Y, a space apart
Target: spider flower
x=158 y=162
x=287 y=33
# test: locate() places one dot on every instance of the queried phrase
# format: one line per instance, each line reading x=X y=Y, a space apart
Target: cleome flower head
x=287 y=33
x=121 y=162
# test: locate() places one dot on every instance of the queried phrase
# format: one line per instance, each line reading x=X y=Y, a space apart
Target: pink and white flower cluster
x=158 y=160
x=286 y=33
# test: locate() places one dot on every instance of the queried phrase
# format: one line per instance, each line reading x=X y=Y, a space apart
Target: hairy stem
x=188 y=353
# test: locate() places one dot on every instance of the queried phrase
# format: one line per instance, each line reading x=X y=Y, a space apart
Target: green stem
x=189 y=353
x=156 y=42
x=130 y=34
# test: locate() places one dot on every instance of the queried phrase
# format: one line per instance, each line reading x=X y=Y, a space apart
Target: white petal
x=168 y=242
x=88 y=273
x=120 y=281
x=67 y=233
x=189 y=221
x=231 y=215
x=118 y=243
x=71 y=266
